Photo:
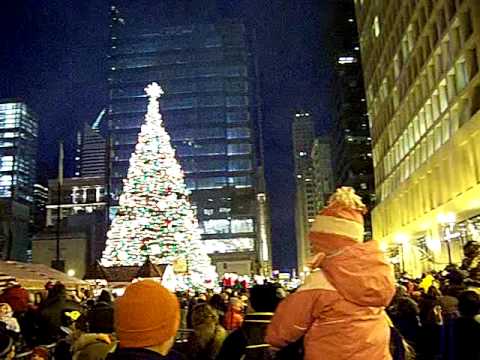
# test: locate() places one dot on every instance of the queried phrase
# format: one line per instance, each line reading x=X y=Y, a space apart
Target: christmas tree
x=155 y=217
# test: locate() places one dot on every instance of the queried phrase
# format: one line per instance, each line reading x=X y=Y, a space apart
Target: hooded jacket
x=340 y=308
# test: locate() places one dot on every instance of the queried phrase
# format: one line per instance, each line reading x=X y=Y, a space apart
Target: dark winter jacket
x=248 y=342
x=51 y=317
x=142 y=354
x=466 y=336
x=100 y=318
x=251 y=334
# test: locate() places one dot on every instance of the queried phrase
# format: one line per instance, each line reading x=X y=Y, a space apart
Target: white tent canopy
x=34 y=276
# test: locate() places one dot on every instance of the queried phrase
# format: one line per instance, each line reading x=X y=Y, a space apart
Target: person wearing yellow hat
x=147 y=318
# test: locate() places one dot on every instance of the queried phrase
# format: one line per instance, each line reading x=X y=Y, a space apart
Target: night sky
x=53 y=55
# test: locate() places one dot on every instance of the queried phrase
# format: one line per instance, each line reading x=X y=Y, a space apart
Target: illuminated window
x=376 y=27
x=216 y=226
x=6 y=163
x=242 y=225
x=238 y=149
x=240 y=181
x=211 y=183
x=238 y=133
x=346 y=60
x=208 y=211
x=461 y=75
x=228 y=245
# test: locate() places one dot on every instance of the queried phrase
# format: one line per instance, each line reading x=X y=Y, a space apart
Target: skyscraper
x=303 y=132
x=18 y=151
x=420 y=63
x=91 y=150
x=210 y=109
x=322 y=171
x=352 y=159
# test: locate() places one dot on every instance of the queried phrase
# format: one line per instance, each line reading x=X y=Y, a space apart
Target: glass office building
x=210 y=110
x=18 y=151
x=18 y=146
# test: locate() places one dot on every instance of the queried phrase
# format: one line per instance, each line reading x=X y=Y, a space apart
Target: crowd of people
x=349 y=307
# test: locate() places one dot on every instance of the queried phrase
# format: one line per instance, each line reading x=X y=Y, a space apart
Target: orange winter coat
x=340 y=308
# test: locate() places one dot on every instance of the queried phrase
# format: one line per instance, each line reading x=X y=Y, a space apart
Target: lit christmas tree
x=155 y=217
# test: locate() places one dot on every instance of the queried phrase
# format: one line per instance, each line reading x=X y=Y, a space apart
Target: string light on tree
x=155 y=217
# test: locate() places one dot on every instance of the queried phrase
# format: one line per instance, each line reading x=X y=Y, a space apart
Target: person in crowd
x=51 y=313
x=340 y=308
x=208 y=335
x=218 y=303
x=7 y=344
x=147 y=317
x=234 y=315
x=6 y=317
x=404 y=312
x=25 y=311
x=87 y=345
x=432 y=324
x=248 y=342
x=466 y=332
x=40 y=353
x=100 y=316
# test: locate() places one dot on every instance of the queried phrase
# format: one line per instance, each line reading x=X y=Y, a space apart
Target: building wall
x=73 y=249
x=209 y=108
x=77 y=195
x=351 y=140
x=92 y=153
x=322 y=171
x=421 y=70
x=303 y=132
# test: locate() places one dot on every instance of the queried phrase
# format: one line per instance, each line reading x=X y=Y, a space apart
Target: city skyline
x=81 y=62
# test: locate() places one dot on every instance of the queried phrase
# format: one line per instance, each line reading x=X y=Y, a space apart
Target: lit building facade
x=77 y=196
x=210 y=109
x=420 y=62
x=18 y=152
x=303 y=136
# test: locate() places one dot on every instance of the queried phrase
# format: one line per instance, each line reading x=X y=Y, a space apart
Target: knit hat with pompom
x=340 y=221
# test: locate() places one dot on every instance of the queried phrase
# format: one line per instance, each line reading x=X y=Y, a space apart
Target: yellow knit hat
x=146 y=315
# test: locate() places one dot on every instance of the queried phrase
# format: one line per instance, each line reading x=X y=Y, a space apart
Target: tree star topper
x=154 y=90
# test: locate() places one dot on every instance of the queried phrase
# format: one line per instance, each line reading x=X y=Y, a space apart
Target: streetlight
x=71 y=272
x=447 y=221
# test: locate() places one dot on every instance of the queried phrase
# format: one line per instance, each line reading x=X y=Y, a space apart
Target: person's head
x=433 y=292
x=236 y=304
x=217 y=302
x=202 y=314
x=17 y=297
x=147 y=316
x=105 y=296
x=263 y=298
x=469 y=304
x=39 y=353
x=339 y=224
x=5 y=310
x=58 y=290
x=401 y=291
